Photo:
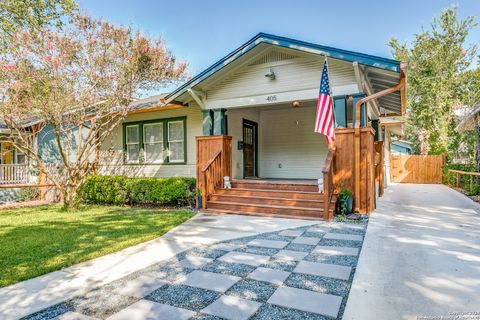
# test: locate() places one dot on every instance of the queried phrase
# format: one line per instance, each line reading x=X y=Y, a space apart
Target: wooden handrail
x=211 y=177
x=469 y=173
x=209 y=163
x=328 y=187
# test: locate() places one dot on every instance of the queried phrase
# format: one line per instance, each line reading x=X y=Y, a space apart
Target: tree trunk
x=71 y=195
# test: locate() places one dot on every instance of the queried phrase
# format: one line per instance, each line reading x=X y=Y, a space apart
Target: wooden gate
x=416 y=168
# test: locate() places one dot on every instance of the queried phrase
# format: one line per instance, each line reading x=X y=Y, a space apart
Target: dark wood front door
x=249 y=148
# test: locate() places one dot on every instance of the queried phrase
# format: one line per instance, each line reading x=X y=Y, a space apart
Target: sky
x=202 y=32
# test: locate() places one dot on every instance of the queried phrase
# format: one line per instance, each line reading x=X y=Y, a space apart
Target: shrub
x=450 y=178
x=28 y=194
x=121 y=190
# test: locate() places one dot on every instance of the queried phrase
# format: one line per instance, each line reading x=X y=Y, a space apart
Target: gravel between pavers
x=347 y=230
x=279 y=264
x=183 y=296
x=258 y=250
x=252 y=290
x=234 y=269
x=202 y=252
x=340 y=243
x=318 y=284
x=273 y=312
x=100 y=303
x=275 y=236
x=349 y=261
x=50 y=313
x=299 y=247
x=205 y=317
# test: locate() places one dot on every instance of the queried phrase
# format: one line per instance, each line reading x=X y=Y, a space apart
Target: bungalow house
x=250 y=116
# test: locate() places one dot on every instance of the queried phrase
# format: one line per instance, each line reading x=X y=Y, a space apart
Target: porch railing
x=13 y=173
x=328 y=186
x=212 y=177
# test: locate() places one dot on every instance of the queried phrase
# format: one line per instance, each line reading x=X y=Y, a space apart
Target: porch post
x=219 y=122
x=207 y=124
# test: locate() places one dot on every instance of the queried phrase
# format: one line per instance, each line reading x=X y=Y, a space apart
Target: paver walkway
x=421 y=257
x=299 y=273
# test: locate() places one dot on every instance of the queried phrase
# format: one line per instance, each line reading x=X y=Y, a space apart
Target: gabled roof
x=351 y=56
x=468 y=123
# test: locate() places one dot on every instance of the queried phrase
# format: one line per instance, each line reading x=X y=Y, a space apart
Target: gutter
x=401 y=86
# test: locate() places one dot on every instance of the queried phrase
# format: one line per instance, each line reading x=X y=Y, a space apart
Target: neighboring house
x=471 y=122
x=400 y=147
x=251 y=116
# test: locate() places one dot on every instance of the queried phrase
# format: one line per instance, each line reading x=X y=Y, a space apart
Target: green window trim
x=165 y=159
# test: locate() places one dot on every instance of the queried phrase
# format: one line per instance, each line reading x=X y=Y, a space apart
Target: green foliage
x=439 y=79
x=122 y=190
x=471 y=186
x=345 y=196
x=33 y=14
x=29 y=194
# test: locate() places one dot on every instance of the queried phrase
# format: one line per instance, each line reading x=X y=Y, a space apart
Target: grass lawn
x=35 y=241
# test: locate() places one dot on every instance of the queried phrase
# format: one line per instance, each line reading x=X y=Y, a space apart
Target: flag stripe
x=324 y=122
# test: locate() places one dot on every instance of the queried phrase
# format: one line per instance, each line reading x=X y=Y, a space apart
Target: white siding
x=115 y=166
x=300 y=75
x=287 y=139
x=300 y=152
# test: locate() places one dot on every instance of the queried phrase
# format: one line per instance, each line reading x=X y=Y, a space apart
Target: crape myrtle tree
x=439 y=79
x=78 y=81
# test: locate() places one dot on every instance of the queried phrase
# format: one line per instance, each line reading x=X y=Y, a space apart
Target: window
x=155 y=141
x=132 y=142
x=176 y=141
x=20 y=157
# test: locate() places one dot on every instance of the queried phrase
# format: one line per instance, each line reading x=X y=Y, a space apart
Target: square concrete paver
x=73 y=316
x=140 y=287
x=305 y=300
x=194 y=262
x=291 y=233
x=336 y=251
x=318 y=229
x=323 y=270
x=274 y=276
x=343 y=236
x=275 y=244
x=149 y=310
x=232 y=308
x=290 y=255
x=209 y=280
x=307 y=240
x=245 y=258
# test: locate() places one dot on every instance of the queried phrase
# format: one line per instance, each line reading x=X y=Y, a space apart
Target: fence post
x=458 y=179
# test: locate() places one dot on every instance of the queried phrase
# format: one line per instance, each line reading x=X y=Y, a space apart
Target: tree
x=33 y=14
x=439 y=62
x=78 y=81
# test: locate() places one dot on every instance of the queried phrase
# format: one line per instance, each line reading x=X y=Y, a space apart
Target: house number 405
x=272 y=98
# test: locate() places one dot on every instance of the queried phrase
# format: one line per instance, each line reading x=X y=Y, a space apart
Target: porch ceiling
x=381 y=80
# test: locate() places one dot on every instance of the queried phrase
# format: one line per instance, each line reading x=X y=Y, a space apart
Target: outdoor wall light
x=296 y=104
x=270 y=74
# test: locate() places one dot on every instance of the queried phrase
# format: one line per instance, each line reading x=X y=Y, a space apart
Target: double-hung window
x=155 y=141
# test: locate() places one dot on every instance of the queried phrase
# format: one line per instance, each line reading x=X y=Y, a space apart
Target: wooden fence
x=416 y=168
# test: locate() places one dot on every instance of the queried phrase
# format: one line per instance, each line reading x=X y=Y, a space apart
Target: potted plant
x=346 y=202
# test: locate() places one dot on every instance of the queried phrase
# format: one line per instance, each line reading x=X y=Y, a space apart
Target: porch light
x=111 y=152
x=270 y=74
x=296 y=104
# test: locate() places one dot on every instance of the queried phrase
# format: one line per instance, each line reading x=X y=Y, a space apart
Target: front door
x=249 y=148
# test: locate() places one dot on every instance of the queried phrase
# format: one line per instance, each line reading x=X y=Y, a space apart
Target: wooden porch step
x=270 y=200
x=274 y=186
x=288 y=194
x=262 y=214
x=266 y=209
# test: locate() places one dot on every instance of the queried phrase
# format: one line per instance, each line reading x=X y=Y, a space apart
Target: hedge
x=120 y=190
x=450 y=178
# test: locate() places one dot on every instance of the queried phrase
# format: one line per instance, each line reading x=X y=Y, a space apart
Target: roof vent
x=273 y=56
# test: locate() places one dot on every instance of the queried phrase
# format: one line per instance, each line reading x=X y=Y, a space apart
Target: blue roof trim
x=352 y=56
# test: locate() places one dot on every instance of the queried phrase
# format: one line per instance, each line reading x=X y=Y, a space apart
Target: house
x=250 y=116
x=400 y=147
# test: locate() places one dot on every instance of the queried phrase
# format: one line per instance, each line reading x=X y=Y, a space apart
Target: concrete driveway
x=420 y=258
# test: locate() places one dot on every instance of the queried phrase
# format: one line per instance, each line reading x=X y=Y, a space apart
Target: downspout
x=400 y=86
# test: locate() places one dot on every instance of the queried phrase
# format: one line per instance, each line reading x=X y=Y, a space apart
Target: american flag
x=324 y=117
